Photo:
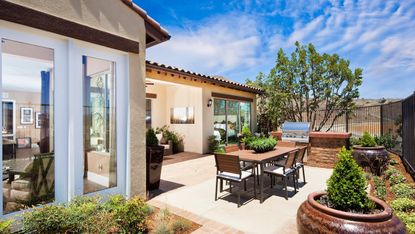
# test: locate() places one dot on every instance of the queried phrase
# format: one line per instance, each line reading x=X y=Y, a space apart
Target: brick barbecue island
x=323 y=147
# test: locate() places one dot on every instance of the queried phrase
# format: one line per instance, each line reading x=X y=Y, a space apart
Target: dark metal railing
x=408 y=132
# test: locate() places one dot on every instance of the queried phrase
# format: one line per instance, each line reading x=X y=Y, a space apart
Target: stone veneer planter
x=312 y=217
x=323 y=147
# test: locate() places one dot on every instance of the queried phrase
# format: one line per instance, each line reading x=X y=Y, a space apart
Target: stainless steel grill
x=296 y=131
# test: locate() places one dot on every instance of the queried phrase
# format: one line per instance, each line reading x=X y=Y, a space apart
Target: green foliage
x=151 y=138
x=5 y=226
x=246 y=132
x=403 y=204
x=367 y=140
x=387 y=140
x=354 y=141
x=213 y=144
x=380 y=187
x=390 y=171
x=248 y=140
x=173 y=136
x=303 y=83
x=403 y=190
x=346 y=187
x=261 y=145
x=396 y=178
x=180 y=225
x=408 y=219
x=393 y=162
x=89 y=215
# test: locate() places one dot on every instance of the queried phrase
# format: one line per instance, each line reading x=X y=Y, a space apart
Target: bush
x=367 y=140
x=408 y=219
x=151 y=138
x=403 y=204
x=403 y=190
x=213 y=144
x=387 y=140
x=89 y=215
x=390 y=171
x=248 y=140
x=180 y=225
x=396 y=178
x=346 y=187
x=393 y=162
x=380 y=188
x=246 y=132
x=261 y=145
x=5 y=226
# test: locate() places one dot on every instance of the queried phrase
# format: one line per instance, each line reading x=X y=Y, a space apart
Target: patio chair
x=228 y=168
x=244 y=165
x=284 y=171
x=300 y=161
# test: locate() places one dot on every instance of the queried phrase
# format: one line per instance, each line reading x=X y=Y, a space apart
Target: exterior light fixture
x=210 y=102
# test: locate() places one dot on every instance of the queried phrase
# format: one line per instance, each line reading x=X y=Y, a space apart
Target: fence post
x=381 y=120
x=347 y=121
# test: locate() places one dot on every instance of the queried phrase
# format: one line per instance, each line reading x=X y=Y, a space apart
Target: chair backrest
x=231 y=148
x=43 y=174
x=291 y=159
x=228 y=163
x=301 y=154
x=286 y=143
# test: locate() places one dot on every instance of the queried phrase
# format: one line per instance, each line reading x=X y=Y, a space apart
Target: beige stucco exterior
x=189 y=91
x=114 y=17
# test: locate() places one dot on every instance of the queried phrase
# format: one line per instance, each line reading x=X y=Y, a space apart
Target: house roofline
x=215 y=80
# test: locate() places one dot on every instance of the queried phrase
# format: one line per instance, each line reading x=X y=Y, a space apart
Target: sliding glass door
x=230 y=116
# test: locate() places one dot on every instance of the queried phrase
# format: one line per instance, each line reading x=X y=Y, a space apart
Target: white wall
x=158 y=106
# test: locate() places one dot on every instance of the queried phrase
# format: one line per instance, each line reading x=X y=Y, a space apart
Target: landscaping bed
x=163 y=221
x=397 y=188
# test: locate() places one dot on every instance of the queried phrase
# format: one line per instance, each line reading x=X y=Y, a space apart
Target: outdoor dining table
x=261 y=159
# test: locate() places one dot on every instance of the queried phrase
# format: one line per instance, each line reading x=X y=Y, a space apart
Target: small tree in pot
x=368 y=154
x=154 y=155
x=346 y=206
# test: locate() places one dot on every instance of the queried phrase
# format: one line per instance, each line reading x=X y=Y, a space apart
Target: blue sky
x=238 y=39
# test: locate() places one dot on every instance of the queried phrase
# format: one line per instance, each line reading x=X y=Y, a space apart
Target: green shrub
x=380 y=188
x=89 y=215
x=354 y=141
x=390 y=171
x=408 y=219
x=403 y=190
x=393 y=162
x=397 y=178
x=151 y=138
x=5 y=226
x=346 y=187
x=180 y=225
x=403 y=204
x=248 y=140
x=261 y=145
x=387 y=140
x=213 y=144
x=367 y=140
x=246 y=132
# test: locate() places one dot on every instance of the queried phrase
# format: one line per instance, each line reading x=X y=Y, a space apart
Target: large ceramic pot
x=373 y=158
x=154 y=160
x=312 y=217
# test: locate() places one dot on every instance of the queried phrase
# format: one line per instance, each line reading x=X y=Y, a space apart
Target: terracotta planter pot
x=373 y=158
x=154 y=160
x=312 y=217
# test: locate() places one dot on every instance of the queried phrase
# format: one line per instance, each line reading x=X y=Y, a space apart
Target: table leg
x=261 y=185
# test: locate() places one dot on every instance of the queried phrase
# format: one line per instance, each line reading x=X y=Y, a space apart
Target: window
x=100 y=158
x=229 y=118
x=28 y=125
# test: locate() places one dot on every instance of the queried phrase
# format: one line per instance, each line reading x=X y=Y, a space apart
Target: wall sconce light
x=210 y=102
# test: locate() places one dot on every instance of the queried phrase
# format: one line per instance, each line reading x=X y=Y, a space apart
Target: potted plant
x=262 y=145
x=368 y=154
x=346 y=207
x=154 y=155
x=245 y=137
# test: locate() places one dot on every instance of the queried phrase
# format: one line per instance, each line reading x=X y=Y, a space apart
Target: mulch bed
x=153 y=222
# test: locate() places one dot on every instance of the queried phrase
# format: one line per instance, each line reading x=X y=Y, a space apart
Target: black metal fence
x=408 y=132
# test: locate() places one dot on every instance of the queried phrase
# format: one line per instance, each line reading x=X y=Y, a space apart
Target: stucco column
x=137 y=159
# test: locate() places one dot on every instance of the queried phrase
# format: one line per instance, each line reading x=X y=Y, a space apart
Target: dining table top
x=252 y=156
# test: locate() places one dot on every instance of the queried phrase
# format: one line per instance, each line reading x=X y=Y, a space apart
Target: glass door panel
x=100 y=157
x=245 y=114
x=232 y=121
x=28 y=129
x=219 y=120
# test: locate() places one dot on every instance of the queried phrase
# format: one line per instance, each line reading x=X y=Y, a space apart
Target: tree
x=305 y=85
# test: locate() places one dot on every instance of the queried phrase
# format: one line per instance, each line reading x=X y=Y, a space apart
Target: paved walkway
x=187 y=188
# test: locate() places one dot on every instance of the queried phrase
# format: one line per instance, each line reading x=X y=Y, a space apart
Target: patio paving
x=188 y=188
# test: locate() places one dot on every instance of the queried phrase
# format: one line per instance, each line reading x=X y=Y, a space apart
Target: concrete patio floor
x=190 y=186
